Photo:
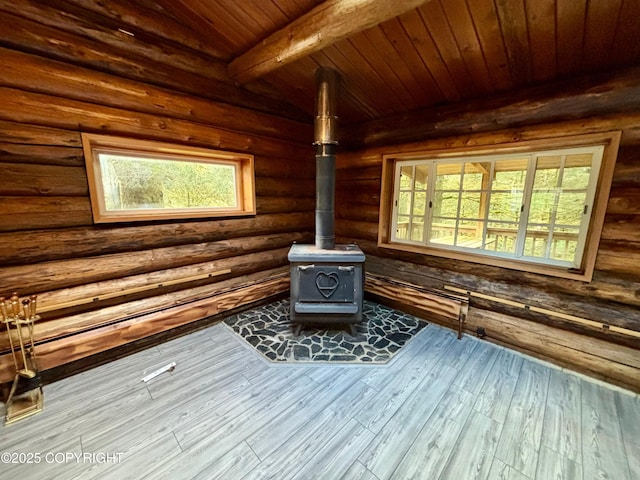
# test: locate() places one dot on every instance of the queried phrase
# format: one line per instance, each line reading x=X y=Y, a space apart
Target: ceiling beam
x=325 y=25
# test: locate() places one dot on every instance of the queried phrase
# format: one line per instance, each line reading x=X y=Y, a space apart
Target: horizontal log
x=58 y=79
x=432 y=302
x=580 y=325
x=604 y=285
x=29 y=179
x=66 y=350
x=39 y=109
x=284 y=167
x=357 y=211
x=589 y=96
x=138 y=18
x=327 y=23
x=30 y=135
x=41 y=154
x=275 y=187
x=624 y=200
x=621 y=228
x=238 y=267
x=627 y=171
x=45 y=245
x=370 y=198
x=103 y=314
x=284 y=204
x=360 y=173
x=621 y=258
x=361 y=230
x=29 y=213
x=585 y=300
x=583 y=354
x=40 y=277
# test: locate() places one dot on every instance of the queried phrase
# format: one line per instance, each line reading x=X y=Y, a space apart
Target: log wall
x=101 y=286
x=612 y=297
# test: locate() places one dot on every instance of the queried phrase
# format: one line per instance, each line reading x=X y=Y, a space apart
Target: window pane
x=505 y=206
x=470 y=206
x=510 y=174
x=445 y=204
x=421 y=177
x=473 y=175
x=577 y=171
x=469 y=234
x=501 y=237
x=404 y=203
x=419 y=203
x=443 y=230
x=563 y=245
x=417 y=229
x=547 y=173
x=406 y=177
x=132 y=183
x=535 y=243
x=570 y=208
x=402 y=228
x=448 y=176
x=542 y=206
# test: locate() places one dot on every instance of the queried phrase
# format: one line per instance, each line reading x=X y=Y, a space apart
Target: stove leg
x=354 y=332
x=297 y=329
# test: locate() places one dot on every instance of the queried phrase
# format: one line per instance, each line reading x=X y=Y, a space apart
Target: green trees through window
x=535 y=206
x=141 y=183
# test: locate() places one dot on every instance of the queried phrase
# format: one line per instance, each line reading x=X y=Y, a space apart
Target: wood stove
x=327 y=280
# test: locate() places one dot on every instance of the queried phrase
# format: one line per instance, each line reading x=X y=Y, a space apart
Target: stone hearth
x=381 y=334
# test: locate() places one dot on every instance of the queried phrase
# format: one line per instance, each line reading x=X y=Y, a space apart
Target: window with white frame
x=533 y=206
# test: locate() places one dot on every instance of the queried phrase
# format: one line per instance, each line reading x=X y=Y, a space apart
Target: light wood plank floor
x=443 y=409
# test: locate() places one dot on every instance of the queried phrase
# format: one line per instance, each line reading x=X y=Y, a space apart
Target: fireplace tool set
x=25 y=397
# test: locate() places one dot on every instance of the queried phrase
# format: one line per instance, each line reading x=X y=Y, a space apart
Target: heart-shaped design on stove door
x=327 y=283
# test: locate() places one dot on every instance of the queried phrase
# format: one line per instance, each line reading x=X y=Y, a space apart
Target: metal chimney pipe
x=327 y=83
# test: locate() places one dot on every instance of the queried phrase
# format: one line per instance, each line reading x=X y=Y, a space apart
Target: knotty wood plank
x=464 y=31
x=380 y=456
x=541 y=25
x=601 y=439
x=477 y=368
x=280 y=428
x=513 y=22
x=396 y=386
x=305 y=442
x=333 y=459
x=433 y=446
x=473 y=453
x=552 y=464
x=487 y=25
x=494 y=398
x=234 y=465
x=570 y=34
x=502 y=471
x=522 y=432
x=357 y=471
x=561 y=429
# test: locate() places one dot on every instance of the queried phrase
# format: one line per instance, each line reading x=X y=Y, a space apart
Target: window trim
x=93 y=145
x=610 y=141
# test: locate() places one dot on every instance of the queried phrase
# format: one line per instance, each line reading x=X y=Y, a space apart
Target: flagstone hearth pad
x=381 y=334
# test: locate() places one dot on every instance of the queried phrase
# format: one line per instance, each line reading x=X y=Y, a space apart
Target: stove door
x=326 y=283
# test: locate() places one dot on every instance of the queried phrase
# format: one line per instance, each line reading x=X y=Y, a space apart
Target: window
x=141 y=180
x=520 y=206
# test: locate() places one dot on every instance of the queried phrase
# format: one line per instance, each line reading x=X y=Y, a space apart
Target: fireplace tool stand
x=25 y=398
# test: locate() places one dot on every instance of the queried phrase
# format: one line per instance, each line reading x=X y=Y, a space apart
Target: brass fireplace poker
x=25 y=397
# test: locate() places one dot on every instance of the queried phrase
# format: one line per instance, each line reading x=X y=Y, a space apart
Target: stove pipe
x=327 y=81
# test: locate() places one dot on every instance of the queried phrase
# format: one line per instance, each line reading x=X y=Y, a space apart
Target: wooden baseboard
x=60 y=351
x=616 y=364
x=430 y=304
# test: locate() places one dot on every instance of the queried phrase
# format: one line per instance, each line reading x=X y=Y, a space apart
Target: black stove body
x=327 y=286
x=327 y=280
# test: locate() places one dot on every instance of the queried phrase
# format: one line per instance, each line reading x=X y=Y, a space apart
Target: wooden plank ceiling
x=442 y=52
